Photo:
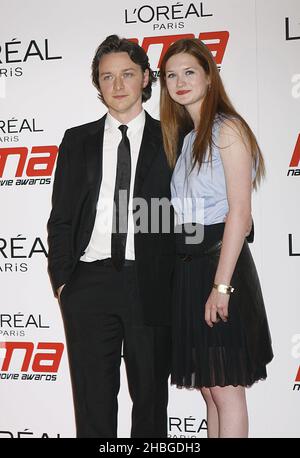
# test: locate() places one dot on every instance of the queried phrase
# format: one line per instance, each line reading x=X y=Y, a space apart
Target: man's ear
x=146 y=78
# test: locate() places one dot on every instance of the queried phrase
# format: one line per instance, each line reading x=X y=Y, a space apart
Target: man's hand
x=59 y=290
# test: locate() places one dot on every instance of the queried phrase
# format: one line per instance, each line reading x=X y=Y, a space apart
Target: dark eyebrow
x=124 y=70
x=186 y=68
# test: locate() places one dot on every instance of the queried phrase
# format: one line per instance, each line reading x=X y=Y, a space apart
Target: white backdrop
x=46 y=49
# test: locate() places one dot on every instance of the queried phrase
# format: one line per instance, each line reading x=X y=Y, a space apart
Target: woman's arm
x=237 y=163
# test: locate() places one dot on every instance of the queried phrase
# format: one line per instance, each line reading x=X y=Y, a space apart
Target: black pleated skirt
x=231 y=353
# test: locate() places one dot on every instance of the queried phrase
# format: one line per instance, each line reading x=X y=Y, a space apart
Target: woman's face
x=186 y=81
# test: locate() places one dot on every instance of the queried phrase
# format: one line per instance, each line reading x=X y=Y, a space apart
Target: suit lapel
x=94 y=155
x=148 y=152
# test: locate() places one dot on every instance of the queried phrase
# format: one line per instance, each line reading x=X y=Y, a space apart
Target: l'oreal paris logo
x=176 y=11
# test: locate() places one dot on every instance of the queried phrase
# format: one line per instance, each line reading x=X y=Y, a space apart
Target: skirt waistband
x=208 y=239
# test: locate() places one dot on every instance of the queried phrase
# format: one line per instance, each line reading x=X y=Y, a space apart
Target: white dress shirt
x=99 y=246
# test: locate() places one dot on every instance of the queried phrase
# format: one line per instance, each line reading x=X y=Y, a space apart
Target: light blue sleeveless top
x=200 y=196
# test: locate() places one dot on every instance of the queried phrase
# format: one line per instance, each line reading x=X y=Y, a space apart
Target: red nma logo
x=297 y=381
x=31 y=359
x=215 y=41
x=295 y=171
x=41 y=165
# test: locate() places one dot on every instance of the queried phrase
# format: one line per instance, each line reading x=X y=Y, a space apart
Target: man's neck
x=125 y=118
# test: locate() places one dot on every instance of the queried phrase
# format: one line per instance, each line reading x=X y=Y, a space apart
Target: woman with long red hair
x=221 y=339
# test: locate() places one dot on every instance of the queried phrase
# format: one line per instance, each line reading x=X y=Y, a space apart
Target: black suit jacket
x=76 y=188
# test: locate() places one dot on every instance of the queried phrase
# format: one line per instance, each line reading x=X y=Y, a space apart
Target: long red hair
x=176 y=121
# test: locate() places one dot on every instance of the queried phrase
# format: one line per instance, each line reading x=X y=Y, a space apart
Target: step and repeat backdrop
x=46 y=49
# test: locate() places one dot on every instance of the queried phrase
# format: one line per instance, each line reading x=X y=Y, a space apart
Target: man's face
x=121 y=84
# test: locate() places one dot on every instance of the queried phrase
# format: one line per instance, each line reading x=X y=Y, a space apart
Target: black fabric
x=102 y=310
x=231 y=353
x=121 y=201
x=75 y=195
x=102 y=307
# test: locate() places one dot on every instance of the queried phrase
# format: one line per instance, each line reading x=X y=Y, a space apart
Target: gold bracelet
x=225 y=289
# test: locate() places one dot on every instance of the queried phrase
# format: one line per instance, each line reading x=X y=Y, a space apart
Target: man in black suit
x=114 y=283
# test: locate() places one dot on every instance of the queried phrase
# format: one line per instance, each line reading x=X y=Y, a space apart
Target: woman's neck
x=194 y=112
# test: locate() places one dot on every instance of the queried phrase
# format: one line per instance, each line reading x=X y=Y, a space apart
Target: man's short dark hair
x=114 y=44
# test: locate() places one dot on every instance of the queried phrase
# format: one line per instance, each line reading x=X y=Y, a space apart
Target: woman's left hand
x=216 y=307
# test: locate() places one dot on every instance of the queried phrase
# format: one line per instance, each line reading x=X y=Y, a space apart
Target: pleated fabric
x=231 y=353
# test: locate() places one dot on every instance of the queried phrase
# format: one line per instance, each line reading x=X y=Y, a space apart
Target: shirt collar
x=133 y=126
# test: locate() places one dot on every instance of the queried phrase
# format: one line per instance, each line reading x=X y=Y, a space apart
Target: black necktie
x=121 y=200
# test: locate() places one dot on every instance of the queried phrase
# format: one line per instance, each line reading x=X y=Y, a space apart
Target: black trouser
x=101 y=310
